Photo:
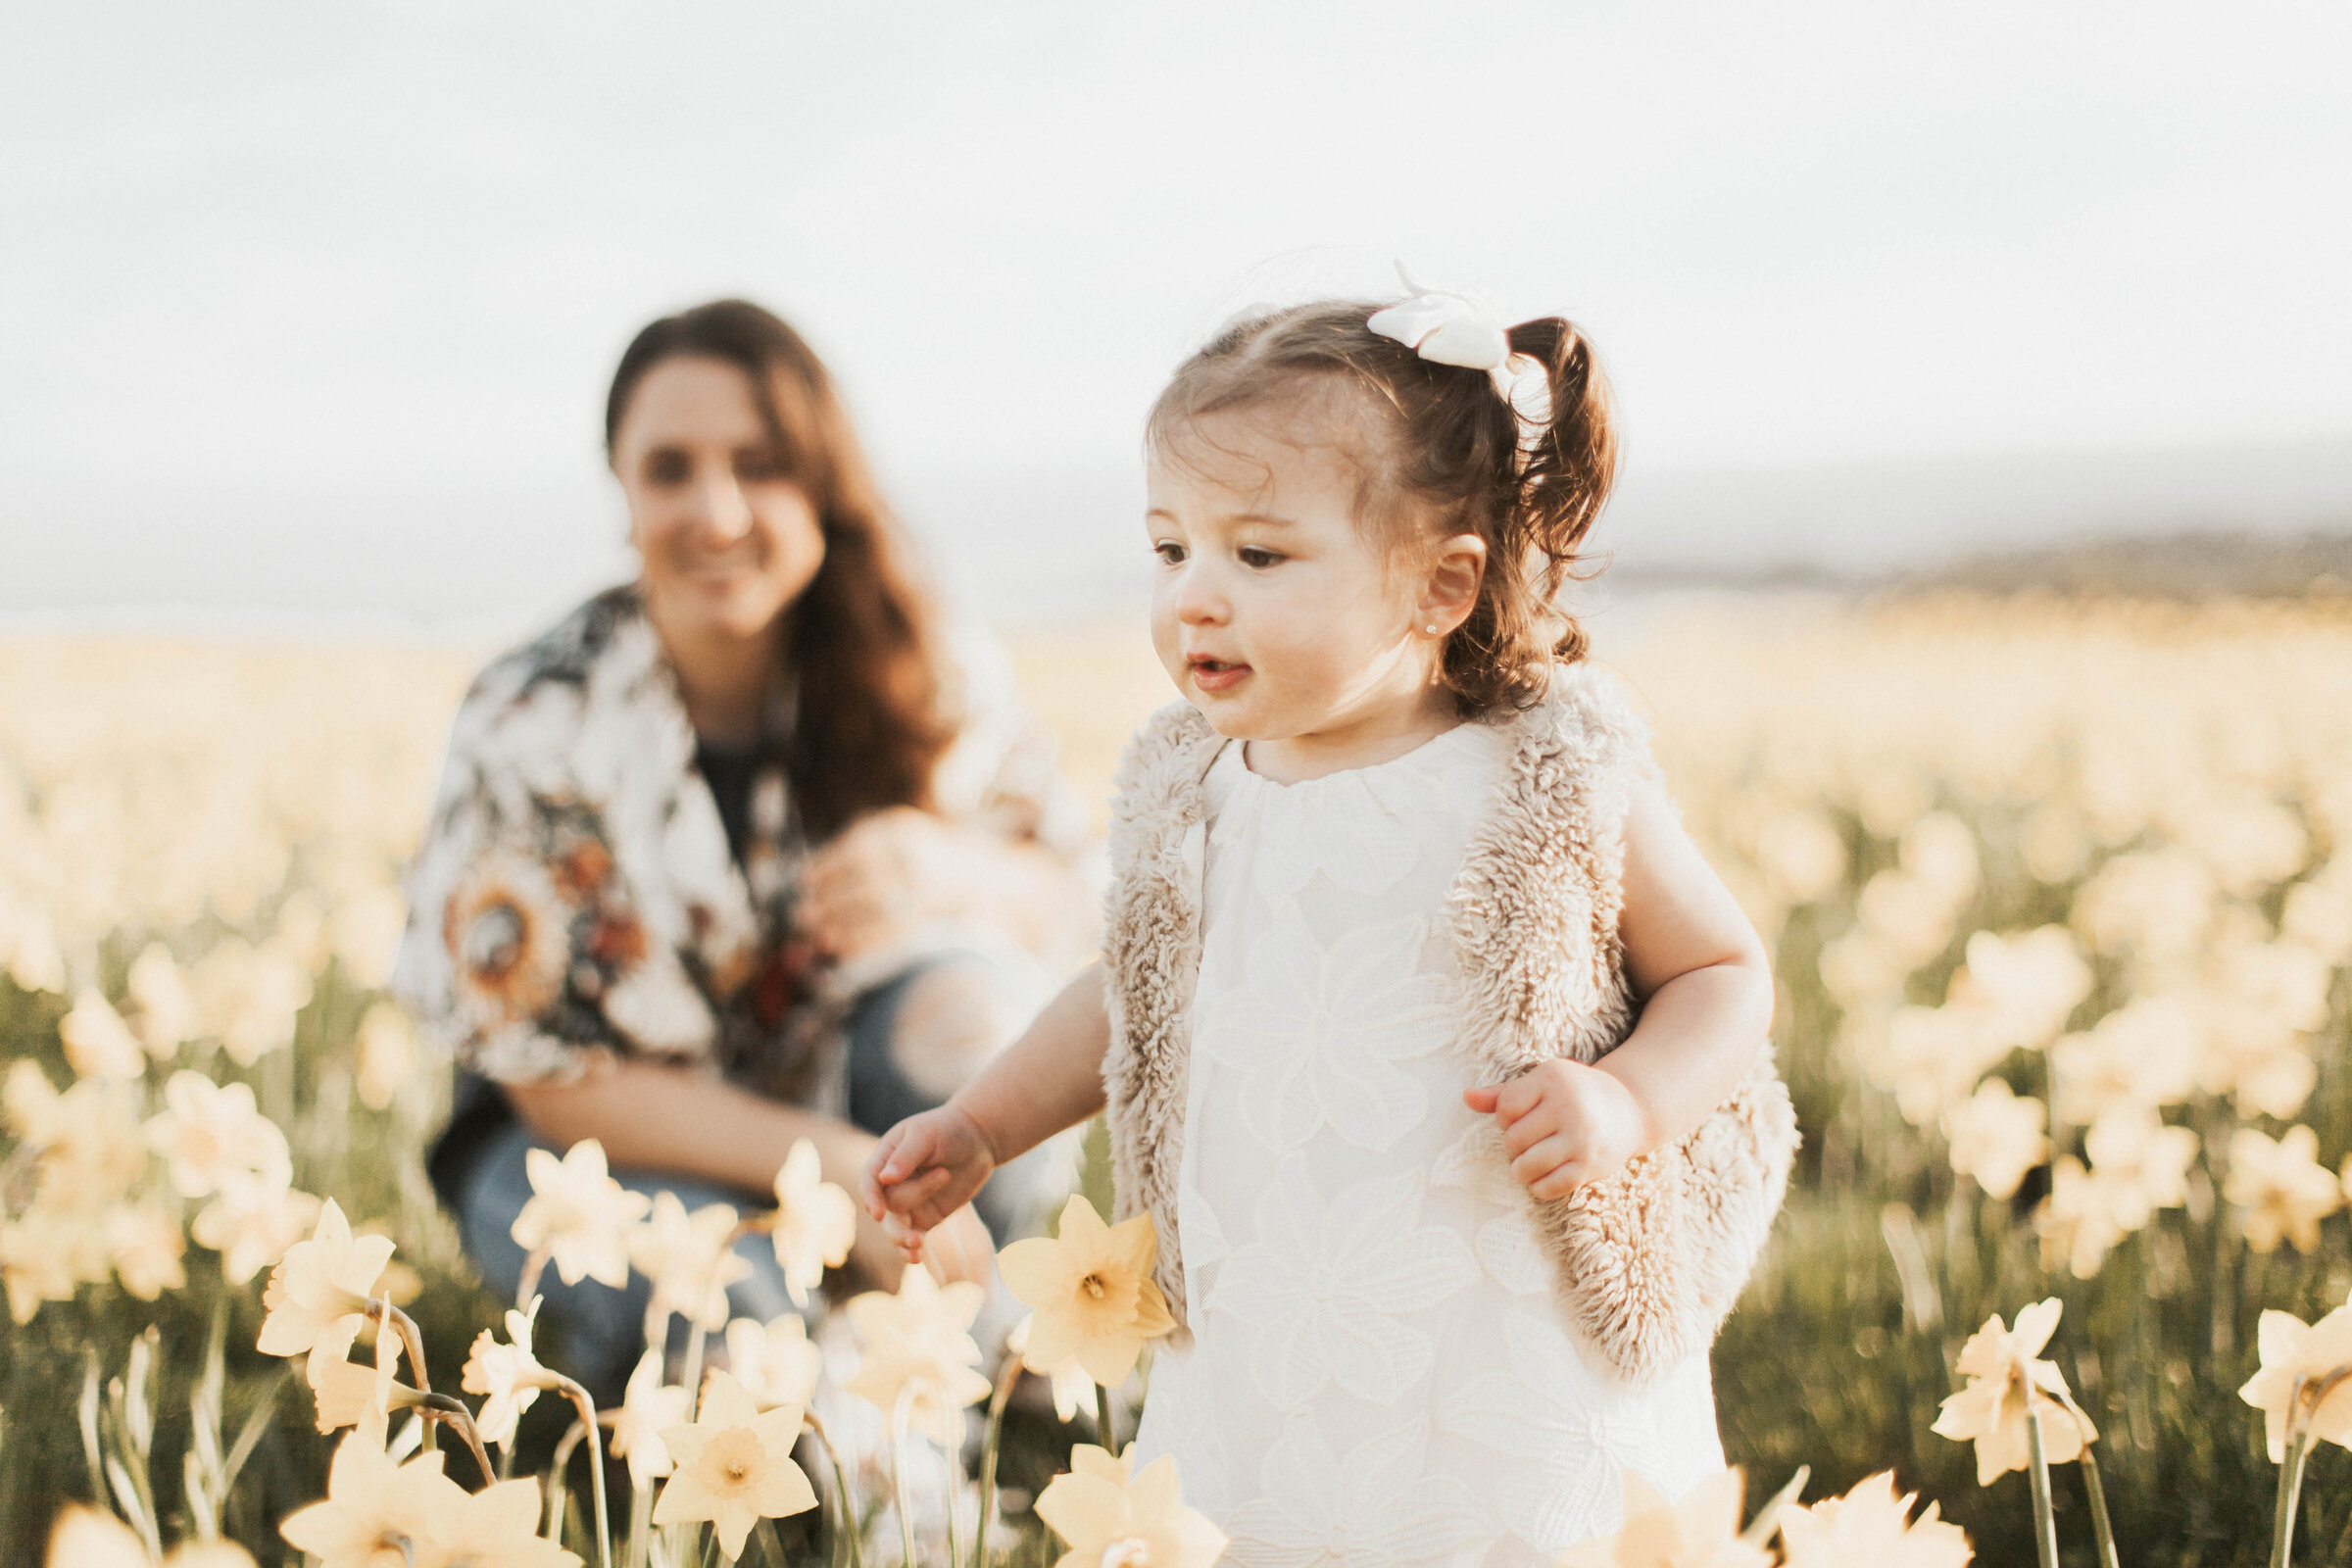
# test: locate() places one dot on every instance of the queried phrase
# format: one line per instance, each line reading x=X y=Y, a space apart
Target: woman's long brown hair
x=869 y=728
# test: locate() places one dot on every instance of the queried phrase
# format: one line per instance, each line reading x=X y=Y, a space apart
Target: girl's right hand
x=923 y=1170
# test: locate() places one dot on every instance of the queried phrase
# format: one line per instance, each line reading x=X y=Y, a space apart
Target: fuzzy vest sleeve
x=1152 y=959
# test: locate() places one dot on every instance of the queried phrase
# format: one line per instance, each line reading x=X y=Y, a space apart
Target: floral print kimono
x=576 y=892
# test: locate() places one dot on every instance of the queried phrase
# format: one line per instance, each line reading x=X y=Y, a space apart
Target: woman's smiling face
x=727 y=539
x=1274 y=608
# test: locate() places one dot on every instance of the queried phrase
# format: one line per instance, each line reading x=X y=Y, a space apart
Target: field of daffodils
x=2060 y=895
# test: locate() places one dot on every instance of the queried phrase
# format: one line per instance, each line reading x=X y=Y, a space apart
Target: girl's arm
x=1706 y=989
x=655 y=1116
x=930 y=1165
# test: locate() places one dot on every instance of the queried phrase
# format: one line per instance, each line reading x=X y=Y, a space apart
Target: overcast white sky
x=312 y=305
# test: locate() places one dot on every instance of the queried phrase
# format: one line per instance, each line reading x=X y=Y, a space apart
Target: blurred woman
x=738 y=854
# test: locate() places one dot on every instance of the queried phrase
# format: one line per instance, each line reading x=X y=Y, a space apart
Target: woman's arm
x=898 y=869
x=1706 y=989
x=655 y=1115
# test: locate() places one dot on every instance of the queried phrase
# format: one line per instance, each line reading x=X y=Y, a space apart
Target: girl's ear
x=1457 y=567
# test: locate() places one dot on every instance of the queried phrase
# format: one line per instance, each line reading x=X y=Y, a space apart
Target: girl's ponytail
x=1567 y=465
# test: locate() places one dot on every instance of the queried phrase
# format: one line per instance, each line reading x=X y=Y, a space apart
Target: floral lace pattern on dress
x=1377 y=1373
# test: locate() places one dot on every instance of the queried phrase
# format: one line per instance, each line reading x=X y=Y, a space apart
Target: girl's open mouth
x=1215 y=676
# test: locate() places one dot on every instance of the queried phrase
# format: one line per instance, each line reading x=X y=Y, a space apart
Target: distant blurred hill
x=2191 y=565
x=2200 y=565
x=1048 y=546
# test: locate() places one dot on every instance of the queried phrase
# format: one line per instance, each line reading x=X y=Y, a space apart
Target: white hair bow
x=1457 y=329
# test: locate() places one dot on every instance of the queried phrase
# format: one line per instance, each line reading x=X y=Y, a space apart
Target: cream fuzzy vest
x=1650 y=1262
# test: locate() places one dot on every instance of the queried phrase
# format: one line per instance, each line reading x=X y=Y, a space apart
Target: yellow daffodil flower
x=733 y=1466
x=2292 y=1351
x=815 y=1222
x=253 y=1227
x=317 y=1294
x=648 y=1409
x=98 y=1043
x=1091 y=1294
x=1071 y=1388
x=375 y=1510
x=917 y=1341
x=1110 y=1518
x=1997 y=1137
x=2284 y=1190
x=775 y=1361
x=211 y=1136
x=145 y=1244
x=2004 y=1377
x=509 y=1376
x=1869 y=1525
x=84 y=1537
x=686 y=1257
x=579 y=1215
x=1702 y=1531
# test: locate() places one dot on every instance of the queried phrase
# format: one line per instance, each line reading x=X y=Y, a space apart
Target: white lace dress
x=1377 y=1373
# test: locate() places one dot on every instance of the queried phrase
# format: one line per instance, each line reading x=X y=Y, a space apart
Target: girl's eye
x=1169 y=551
x=754 y=466
x=667 y=466
x=1252 y=555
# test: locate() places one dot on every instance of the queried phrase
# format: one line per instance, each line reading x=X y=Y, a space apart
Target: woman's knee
x=921 y=1037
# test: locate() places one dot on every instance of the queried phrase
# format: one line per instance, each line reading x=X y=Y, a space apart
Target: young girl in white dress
x=1432 y=1045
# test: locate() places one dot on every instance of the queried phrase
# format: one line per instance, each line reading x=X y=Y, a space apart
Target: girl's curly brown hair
x=1440 y=453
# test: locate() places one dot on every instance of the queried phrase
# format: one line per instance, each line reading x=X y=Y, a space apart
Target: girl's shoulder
x=1167 y=757
x=1585 y=728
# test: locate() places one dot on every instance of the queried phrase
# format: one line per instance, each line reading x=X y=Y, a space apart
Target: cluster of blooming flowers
x=2185 y=802
x=723 y=1455
x=145 y=786
x=94 y=1210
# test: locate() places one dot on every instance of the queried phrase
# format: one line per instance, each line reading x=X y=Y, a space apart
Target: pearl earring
x=1431 y=629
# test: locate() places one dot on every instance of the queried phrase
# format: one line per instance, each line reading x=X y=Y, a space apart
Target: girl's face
x=726 y=539
x=1275 y=613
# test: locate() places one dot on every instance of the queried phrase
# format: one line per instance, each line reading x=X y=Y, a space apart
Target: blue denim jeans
x=598 y=1332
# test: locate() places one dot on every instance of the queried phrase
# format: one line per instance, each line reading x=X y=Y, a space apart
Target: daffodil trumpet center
x=2312 y=1391
x=1094 y=1287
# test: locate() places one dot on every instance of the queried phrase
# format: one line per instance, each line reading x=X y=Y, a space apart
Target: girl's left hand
x=1564 y=1124
x=885 y=875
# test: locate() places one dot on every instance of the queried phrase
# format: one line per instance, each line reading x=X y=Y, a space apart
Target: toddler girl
x=1433 y=1048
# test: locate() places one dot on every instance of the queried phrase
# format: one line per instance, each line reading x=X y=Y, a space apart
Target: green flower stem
x=2100 y=1527
x=555 y=1489
x=845 y=1499
x=2302 y=1405
x=2046 y=1521
x=641 y=1511
x=413 y=1341
x=2290 y=1487
x=988 y=1456
x=586 y=1407
x=897 y=1471
x=1767 y=1522
x=2101 y=1530
x=438 y=1408
x=951 y=1457
x=1103 y=1423
x=527 y=1287
x=697 y=1339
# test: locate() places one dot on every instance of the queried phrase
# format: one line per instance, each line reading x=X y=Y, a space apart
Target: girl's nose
x=1200 y=599
x=720 y=507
